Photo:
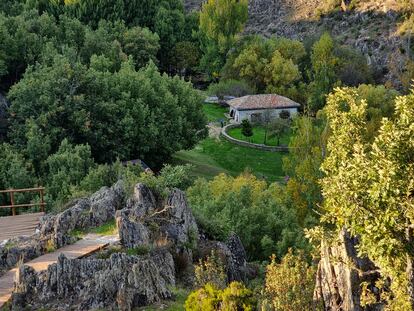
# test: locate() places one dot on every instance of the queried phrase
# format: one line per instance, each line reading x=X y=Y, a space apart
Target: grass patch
x=138 y=251
x=259 y=136
x=214 y=112
x=180 y=296
x=108 y=228
x=212 y=157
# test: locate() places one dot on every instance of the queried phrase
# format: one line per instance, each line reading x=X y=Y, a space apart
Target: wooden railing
x=13 y=204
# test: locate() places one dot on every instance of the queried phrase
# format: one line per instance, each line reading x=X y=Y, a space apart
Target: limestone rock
x=20 y=248
x=54 y=230
x=121 y=282
x=340 y=274
x=131 y=233
x=181 y=224
x=143 y=201
x=232 y=255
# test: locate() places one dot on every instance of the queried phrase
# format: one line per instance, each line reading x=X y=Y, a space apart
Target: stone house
x=258 y=108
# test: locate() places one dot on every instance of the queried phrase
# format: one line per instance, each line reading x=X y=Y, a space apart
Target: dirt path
x=89 y=244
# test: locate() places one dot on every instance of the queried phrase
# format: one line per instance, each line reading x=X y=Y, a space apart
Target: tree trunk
x=410 y=265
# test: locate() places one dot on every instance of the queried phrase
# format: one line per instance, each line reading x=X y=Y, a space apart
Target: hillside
x=375 y=28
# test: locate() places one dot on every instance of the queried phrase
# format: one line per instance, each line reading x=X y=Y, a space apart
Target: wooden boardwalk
x=88 y=245
x=13 y=226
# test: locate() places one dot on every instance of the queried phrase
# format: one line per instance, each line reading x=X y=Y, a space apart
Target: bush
x=211 y=271
x=290 y=284
x=234 y=298
x=236 y=88
x=252 y=209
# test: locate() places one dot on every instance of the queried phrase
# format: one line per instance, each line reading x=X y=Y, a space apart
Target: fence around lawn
x=13 y=206
x=233 y=140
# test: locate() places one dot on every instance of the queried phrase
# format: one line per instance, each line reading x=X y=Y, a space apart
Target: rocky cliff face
x=340 y=275
x=372 y=27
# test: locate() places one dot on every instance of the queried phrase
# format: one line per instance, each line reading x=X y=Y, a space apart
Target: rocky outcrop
x=162 y=229
x=121 y=282
x=171 y=221
x=340 y=275
x=231 y=253
x=83 y=213
x=54 y=230
x=20 y=248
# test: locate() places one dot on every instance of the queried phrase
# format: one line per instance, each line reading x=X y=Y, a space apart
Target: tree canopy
x=369 y=186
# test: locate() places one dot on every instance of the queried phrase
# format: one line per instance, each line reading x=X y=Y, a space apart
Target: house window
x=256 y=117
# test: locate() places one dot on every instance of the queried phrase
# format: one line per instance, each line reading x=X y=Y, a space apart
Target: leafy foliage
x=278 y=128
x=211 y=271
x=307 y=148
x=250 y=208
x=378 y=176
x=143 y=114
x=290 y=284
x=247 y=128
x=324 y=63
x=236 y=88
x=220 y=23
x=235 y=297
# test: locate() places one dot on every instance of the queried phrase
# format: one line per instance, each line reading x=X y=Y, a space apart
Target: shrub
x=211 y=271
x=252 y=209
x=234 y=298
x=290 y=284
x=237 y=88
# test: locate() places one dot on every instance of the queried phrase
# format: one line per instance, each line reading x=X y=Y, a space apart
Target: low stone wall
x=233 y=140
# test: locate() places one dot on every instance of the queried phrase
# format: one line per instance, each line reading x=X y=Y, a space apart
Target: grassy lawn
x=214 y=112
x=212 y=157
x=258 y=136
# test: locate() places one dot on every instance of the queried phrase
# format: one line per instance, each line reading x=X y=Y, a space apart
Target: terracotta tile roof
x=263 y=101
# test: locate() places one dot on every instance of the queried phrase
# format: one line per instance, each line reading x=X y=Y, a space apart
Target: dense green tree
x=37 y=147
x=324 y=63
x=378 y=176
x=126 y=114
x=249 y=207
x=169 y=24
x=66 y=168
x=352 y=68
x=247 y=128
x=380 y=103
x=15 y=171
x=223 y=20
x=269 y=65
x=307 y=150
x=220 y=23
x=186 y=57
x=290 y=283
x=280 y=74
x=230 y=87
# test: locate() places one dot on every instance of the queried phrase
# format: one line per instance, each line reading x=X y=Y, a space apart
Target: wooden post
x=42 y=201
x=12 y=202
